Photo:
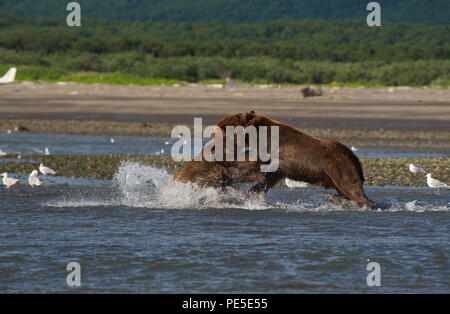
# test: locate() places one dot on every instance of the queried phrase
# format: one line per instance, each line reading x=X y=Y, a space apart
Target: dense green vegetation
x=298 y=52
x=235 y=11
x=303 y=33
x=136 y=68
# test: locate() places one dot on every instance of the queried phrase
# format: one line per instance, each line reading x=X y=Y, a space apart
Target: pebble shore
x=378 y=171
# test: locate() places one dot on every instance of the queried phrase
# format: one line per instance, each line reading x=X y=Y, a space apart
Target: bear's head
x=237 y=119
x=234 y=120
x=258 y=120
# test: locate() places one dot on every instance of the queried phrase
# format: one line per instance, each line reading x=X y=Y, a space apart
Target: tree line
x=227 y=49
x=235 y=11
x=298 y=52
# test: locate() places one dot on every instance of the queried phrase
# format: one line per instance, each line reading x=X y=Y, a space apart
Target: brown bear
x=204 y=174
x=320 y=162
x=324 y=163
x=221 y=174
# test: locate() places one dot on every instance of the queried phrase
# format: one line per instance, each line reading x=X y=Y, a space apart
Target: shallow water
x=84 y=145
x=101 y=145
x=142 y=232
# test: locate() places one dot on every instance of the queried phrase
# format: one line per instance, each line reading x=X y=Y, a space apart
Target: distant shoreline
x=402 y=117
x=110 y=79
x=401 y=103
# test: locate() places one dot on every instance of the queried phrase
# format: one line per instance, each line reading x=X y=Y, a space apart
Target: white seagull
x=415 y=169
x=46 y=170
x=292 y=184
x=33 y=179
x=2 y=153
x=8 y=181
x=46 y=152
x=354 y=149
x=435 y=184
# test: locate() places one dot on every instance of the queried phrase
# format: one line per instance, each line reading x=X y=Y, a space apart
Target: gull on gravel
x=414 y=169
x=292 y=184
x=46 y=170
x=2 y=153
x=435 y=184
x=8 y=181
x=33 y=179
x=47 y=152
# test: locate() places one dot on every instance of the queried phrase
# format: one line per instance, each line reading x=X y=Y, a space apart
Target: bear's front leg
x=270 y=180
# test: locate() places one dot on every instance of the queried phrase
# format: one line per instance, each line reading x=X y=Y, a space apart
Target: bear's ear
x=249 y=116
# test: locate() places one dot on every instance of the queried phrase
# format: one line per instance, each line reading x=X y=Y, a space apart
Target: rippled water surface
x=142 y=232
x=101 y=145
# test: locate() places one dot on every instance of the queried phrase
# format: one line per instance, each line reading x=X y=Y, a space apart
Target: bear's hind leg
x=354 y=192
x=340 y=194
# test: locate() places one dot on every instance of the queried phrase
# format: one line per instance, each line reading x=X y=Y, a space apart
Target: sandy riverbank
x=398 y=118
x=71 y=99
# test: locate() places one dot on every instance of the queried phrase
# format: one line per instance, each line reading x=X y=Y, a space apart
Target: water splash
x=146 y=186
x=415 y=207
x=141 y=186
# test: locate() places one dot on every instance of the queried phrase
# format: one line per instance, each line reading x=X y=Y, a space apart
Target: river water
x=143 y=233
x=101 y=145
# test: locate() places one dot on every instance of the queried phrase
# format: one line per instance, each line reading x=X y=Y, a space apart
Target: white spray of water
x=144 y=186
x=414 y=207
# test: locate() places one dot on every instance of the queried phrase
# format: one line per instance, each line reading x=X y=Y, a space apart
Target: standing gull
x=46 y=170
x=435 y=184
x=8 y=181
x=33 y=179
x=415 y=169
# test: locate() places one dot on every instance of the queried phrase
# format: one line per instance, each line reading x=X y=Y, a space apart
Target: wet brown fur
x=320 y=162
x=221 y=174
x=302 y=157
